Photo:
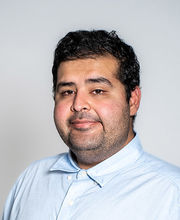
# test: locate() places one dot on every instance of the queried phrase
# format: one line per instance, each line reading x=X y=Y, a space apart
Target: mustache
x=83 y=115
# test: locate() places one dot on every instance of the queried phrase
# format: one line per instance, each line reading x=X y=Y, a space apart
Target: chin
x=80 y=146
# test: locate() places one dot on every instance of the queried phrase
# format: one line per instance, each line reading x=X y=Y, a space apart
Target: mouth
x=83 y=124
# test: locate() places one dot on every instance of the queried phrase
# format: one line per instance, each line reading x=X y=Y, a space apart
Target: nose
x=80 y=103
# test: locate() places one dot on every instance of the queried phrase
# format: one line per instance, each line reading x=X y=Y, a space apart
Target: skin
x=91 y=112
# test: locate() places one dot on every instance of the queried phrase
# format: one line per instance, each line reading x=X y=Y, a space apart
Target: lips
x=83 y=123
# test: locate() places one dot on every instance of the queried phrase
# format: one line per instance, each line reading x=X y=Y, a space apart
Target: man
x=106 y=174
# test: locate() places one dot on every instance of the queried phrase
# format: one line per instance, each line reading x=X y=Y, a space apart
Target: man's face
x=91 y=111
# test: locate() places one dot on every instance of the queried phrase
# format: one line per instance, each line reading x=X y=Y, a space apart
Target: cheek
x=61 y=112
x=108 y=111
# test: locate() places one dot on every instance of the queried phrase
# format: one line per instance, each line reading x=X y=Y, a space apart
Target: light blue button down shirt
x=130 y=185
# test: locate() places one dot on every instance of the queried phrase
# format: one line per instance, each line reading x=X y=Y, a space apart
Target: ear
x=134 y=101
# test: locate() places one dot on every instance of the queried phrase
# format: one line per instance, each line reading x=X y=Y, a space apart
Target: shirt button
x=83 y=173
x=69 y=177
x=70 y=202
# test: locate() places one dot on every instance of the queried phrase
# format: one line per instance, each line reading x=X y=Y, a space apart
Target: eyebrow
x=99 y=80
x=91 y=80
x=64 y=84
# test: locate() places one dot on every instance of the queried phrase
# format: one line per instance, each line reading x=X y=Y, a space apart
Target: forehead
x=103 y=66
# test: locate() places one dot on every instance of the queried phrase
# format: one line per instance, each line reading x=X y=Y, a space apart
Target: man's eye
x=98 y=91
x=67 y=92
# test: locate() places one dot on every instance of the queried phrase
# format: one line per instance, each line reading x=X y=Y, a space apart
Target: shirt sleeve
x=176 y=209
x=12 y=197
x=9 y=204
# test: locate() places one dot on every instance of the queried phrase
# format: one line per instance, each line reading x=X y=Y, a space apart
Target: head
x=81 y=119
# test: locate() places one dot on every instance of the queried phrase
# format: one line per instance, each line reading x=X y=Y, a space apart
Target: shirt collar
x=106 y=170
x=65 y=163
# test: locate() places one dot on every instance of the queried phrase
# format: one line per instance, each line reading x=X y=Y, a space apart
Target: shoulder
x=46 y=162
x=161 y=168
x=36 y=177
x=38 y=169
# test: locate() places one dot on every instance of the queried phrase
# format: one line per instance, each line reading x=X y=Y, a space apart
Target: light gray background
x=29 y=31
